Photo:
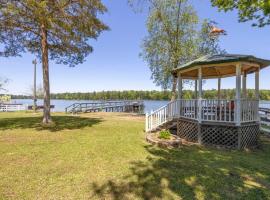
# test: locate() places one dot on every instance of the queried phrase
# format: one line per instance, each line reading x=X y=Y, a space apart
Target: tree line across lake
x=147 y=95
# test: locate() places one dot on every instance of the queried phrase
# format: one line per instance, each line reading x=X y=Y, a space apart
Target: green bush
x=164 y=134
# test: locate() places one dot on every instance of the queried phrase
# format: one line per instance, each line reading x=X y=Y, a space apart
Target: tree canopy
x=148 y=95
x=58 y=30
x=69 y=25
x=256 y=10
x=175 y=36
x=170 y=41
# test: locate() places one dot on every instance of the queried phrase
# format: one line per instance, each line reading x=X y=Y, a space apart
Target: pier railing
x=101 y=106
x=264 y=112
x=205 y=110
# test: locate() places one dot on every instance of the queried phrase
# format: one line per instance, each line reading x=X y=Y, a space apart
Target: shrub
x=164 y=134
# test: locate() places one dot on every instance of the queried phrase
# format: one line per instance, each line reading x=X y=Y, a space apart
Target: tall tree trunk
x=46 y=81
x=174 y=88
x=35 y=86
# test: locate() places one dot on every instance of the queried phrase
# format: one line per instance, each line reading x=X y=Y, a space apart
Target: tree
x=174 y=38
x=5 y=98
x=256 y=10
x=171 y=26
x=59 y=30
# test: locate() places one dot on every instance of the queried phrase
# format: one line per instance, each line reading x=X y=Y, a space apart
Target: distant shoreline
x=145 y=95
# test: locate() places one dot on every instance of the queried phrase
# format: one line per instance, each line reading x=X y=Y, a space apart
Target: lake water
x=60 y=105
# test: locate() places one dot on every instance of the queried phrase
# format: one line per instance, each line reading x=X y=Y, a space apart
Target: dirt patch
x=121 y=116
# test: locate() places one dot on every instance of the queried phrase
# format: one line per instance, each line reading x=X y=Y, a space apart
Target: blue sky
x=115 y=62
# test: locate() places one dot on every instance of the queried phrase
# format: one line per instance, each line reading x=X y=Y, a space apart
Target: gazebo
x=232 y=123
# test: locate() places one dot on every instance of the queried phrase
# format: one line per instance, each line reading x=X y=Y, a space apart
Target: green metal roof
x=223 y=58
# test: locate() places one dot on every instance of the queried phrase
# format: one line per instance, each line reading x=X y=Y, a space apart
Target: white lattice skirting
x=235 y=137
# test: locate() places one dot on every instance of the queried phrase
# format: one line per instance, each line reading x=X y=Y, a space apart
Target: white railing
x=161 y=116
x=225 y=110
x=249 y=110
x=218 y=110
x=211 y=110
x=188 y=108
x=173 y=109
x=12 y=107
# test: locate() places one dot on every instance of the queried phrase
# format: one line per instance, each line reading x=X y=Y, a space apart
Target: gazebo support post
x=219 y=93
x=196 y=95
x=238 y=96
x=257 y=89
x=180 y=93
x=196 y=89
x=219 y=86
x=180 y=86
x=200 y=105
x=244 y=86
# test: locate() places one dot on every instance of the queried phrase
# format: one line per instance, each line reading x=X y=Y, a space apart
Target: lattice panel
x=219 y=135
x=187 y=130
x=249 y=135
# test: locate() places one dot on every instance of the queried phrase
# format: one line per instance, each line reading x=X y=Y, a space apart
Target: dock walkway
x=107 y=106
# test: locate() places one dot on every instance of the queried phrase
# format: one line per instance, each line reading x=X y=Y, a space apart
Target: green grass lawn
x=105 y=156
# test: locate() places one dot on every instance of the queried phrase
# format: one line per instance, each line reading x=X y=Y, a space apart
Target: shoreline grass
x=105 y=156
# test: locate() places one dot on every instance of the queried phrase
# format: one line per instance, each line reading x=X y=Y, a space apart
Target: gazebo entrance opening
x=225 y=122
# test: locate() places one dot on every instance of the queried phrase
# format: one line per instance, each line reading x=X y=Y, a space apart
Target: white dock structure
x=12 y=107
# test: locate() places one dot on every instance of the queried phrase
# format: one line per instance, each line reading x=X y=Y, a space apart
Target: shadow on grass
x=60 y=123
x=193 y=173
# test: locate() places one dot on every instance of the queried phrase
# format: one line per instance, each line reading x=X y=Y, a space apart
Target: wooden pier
x=265 y=119
x=39 y=107
x=107 y=106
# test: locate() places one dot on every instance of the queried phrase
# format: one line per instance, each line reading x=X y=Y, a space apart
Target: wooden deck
x=40 y=107
x=205 y=110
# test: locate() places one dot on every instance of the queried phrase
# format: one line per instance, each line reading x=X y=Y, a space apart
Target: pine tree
x=58 y=30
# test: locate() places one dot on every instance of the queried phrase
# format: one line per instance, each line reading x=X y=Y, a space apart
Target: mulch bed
x=153 y=138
